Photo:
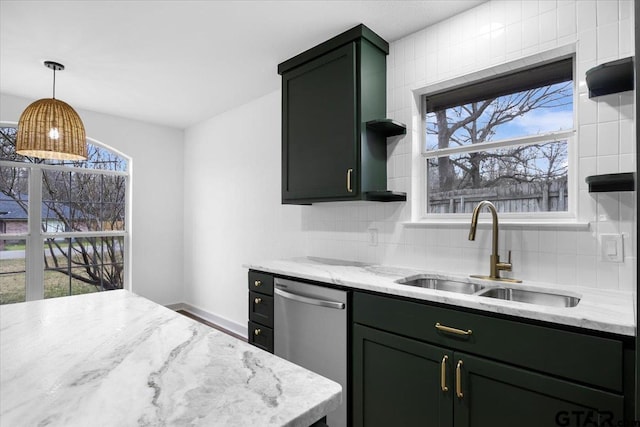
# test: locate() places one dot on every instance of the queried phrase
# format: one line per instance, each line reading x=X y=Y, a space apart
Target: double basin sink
x=496 y=291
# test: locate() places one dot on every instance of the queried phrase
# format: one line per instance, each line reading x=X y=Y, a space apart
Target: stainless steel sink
x=531 y=297
x=430 y=281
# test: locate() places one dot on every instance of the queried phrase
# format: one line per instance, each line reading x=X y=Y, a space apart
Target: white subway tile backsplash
x=566 y=19
x=530 y=32
x=608 y=107
x=567 y=242
x=587 y=141
x=546 y=5
x=607 y=275
x=548 y=24
x=627 y=163
x=625 y=9
x=625 y=38
x=627 y=137
x=520 y=32
x=548 y=241
x=586 y=15
x=626 y=105
x=608 y=164
x=587 y=110
x=567 y=267
x=608 y=135
x=587 y=271
x=606 y=12
x=513 y=38
x=513 y=11
x=547 y=267
x=607 y=42
x=529 y=9
x=627 y=274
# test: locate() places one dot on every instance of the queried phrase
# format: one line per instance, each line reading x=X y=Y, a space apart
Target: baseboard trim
x=220 y=321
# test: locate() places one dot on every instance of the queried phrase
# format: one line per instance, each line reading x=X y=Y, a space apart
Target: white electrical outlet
x=373 y=236
x=611 y=248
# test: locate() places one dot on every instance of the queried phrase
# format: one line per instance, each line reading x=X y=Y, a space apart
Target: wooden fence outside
x=549 y=196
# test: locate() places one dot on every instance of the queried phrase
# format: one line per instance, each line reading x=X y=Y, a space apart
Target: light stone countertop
x=599 y=309
x=117 y=359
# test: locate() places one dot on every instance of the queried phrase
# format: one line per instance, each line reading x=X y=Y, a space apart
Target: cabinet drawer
x=260 y=336
x=261 y=282
x=589 y=359
x=261 y=308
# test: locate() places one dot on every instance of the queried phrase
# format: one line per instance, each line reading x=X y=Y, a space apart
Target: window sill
x=564 y=224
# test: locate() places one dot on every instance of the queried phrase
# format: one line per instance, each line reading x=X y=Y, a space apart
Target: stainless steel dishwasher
x=310 y=330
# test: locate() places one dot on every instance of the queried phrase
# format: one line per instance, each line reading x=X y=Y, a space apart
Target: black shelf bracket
x=625 y=181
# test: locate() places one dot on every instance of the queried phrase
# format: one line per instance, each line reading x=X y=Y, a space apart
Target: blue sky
x=538 y=121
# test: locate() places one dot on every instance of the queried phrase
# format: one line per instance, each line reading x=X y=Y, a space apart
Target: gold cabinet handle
x=349 y=173
x=453 y=330
x=257 y=332
x=443 y=373
x=257 y=283
x=257 y=300
x=459 y=380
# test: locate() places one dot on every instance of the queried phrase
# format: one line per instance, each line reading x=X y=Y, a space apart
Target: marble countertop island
x=117 y=359
x=598 y=309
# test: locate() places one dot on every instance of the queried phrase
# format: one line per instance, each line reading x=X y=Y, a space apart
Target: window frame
x=35 y=237
x=557 y=218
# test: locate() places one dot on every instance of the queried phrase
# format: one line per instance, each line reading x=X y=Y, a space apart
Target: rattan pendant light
x=51 y=129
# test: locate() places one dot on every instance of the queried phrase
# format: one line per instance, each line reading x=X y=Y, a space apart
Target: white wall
x=232 y=207
x=157 y=185
x=490 y=35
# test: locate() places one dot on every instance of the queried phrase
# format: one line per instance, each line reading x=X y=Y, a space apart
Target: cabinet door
x=397 y=381
x=498 y=395
x=320 y=128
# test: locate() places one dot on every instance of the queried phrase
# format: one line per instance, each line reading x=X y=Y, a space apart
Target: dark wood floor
x=214 y=326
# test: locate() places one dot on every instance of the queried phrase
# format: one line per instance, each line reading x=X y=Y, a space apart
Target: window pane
x=529 y=178
x=14 y=200
x=83 y=201
x=112 y=209
x=531 y=112
x=83 y=265
x=12 y=271
x=97 y=157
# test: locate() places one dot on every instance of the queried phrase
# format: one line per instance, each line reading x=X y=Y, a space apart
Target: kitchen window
x=505 y=139
x=64 y=223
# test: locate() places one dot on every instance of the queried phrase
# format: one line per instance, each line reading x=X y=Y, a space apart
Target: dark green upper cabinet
x=329 y=93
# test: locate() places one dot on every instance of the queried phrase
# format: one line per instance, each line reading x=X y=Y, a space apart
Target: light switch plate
x=373 y=236
x=611 y=248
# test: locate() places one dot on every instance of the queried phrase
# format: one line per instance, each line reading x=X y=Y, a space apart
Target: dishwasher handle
x=307 y=300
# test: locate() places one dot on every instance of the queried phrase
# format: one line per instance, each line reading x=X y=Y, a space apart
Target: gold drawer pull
x=257 y=300
x=443 y=373
x=257 y=332
x=257 y=283
x=349 y=173
x=459 y=380
x=453 y=330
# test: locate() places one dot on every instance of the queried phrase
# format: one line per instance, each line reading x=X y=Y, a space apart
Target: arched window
x=63 y=224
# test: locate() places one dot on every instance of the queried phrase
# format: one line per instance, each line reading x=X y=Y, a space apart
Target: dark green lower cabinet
x=495 y=394
x=399 y=381
x=396 y=381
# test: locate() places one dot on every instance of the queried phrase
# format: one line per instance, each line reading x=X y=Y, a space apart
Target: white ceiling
x=180 y=62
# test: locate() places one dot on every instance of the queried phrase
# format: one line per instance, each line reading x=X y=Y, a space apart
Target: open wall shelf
x=610 y=77
x=611 y=182
x=387 y=127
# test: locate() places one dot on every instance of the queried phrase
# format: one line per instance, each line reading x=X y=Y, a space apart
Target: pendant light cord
x=54 y=83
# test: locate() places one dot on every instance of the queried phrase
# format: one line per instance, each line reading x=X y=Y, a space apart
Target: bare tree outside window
x=492 y=149
x=91 y=203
